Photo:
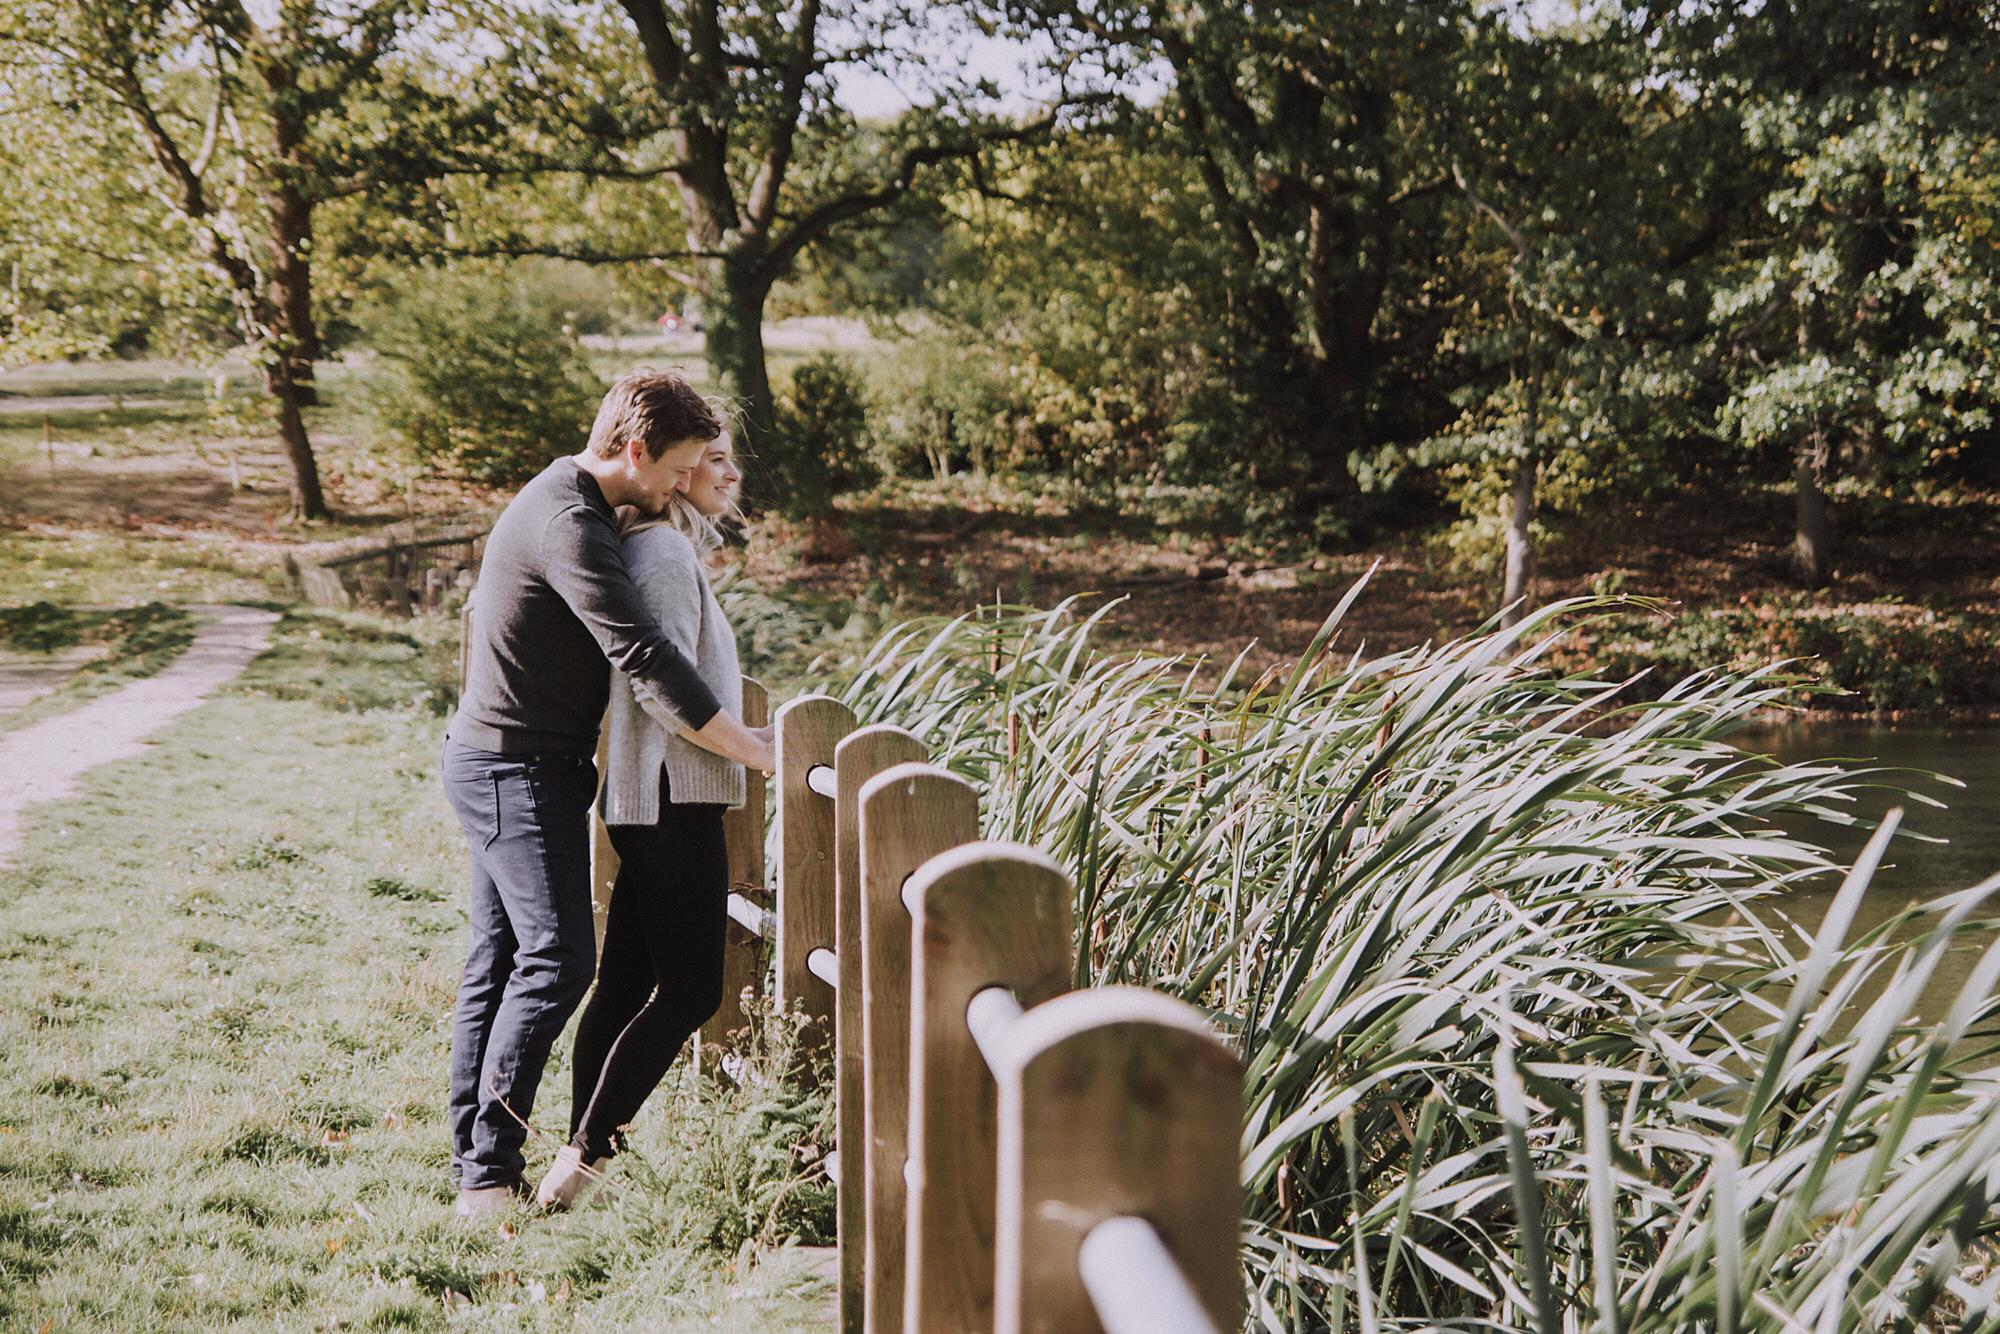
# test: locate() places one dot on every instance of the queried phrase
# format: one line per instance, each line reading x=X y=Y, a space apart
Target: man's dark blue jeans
x=526 y=822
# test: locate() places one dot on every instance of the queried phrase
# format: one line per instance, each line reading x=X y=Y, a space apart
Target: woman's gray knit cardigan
x=668 y=570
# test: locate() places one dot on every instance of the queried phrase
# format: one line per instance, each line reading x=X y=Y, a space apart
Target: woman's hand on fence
x=753 y=747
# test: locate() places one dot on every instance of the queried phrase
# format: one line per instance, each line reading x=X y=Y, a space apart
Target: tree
x=82 y=270
x=1314 y=130
x=249 y=124
x=1857 y=330
x=732 y=107
x=1585 y=337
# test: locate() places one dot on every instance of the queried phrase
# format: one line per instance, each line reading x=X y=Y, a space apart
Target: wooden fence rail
x=1011 y=1155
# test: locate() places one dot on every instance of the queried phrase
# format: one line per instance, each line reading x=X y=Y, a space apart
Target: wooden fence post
x=743 y=830
x=856 y=760
x=908 y=815
x=1115 y=1102
x=808 y=730
x=987 y=914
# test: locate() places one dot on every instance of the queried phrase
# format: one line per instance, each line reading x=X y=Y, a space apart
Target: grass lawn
x=225 y=978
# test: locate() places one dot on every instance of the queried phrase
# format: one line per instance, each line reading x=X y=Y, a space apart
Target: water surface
x=1913 y=871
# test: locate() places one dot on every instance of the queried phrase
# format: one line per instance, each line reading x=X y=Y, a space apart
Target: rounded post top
x=1056 y=1021
x=971 y=858
x=871 y=736
x=810 y=707
x=911 y=771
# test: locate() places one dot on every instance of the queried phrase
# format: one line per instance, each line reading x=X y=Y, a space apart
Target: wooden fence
x=1012 y=1155
x=401 y=570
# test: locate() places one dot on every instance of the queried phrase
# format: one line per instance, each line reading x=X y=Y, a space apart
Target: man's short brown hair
x=658 y=407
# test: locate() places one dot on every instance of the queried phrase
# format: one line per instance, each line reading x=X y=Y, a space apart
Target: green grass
x=225 y=977
x=98 y=568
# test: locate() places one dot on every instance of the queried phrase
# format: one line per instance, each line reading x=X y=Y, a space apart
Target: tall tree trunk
x=1337 y=394
x=1812 y=548
x=1520 y=574
x=1518 y=583
x=290 y=210
x=291 y=289
x=1811 y=542
x=308 y=501
x=734 y=291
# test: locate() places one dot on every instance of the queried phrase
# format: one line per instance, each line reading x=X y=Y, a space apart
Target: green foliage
x=944 y=406
x=1884 y=658
x=1868 y=290
x=825 y=416
x=483 y=381
x=1529 y=1041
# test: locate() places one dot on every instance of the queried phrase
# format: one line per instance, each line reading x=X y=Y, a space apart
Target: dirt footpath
x=44 y=762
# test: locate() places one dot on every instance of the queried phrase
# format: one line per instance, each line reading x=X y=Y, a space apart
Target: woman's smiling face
x=712 y=487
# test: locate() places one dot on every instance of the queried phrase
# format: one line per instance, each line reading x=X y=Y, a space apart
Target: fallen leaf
x=508 y=1231
x=333 y=1245
x=334 y=1139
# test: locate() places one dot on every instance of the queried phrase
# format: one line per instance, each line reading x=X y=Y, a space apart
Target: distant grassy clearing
x=225 y=975
x=100 y=568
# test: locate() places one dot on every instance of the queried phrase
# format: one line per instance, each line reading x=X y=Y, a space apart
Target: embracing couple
x=597 y=564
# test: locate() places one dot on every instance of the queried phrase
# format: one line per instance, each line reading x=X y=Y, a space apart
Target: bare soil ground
x=941 y=553
x=162 y=466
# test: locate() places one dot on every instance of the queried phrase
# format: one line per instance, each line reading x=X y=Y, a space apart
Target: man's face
x=656 y=479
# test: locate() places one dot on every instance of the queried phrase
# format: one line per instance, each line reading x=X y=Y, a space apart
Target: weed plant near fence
x=1530 y=1042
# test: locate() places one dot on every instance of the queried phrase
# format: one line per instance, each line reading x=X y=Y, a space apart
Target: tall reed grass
x=1530 y=1042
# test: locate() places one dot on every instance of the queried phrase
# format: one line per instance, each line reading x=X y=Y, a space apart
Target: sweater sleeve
x=584 y=563
x=664 y=568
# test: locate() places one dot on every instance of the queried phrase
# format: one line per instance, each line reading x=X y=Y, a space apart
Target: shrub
x=825 y=417
x=945 y=408
x=482 y=381
x=1888 y=659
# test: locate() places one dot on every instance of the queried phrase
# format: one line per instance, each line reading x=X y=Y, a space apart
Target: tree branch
x=549 y=250
x=761 y=208
x=664 y=56
x=816 y=222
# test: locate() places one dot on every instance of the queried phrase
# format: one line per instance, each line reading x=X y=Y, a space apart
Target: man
x=556 y=607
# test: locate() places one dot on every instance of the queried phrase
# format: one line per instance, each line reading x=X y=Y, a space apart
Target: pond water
x=1912 y=871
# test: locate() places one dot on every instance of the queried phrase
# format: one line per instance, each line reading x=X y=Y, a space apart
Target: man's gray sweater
x=554 y=610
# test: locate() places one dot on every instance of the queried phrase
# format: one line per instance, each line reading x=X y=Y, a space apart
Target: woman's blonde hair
x=697 y=527
x=680 y=512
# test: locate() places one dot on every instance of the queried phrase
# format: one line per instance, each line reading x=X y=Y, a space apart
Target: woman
x=660 y=977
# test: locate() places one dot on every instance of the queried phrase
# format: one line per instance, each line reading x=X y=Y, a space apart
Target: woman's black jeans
x=661 y=976
x=526 y=821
